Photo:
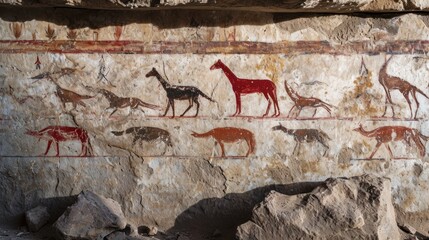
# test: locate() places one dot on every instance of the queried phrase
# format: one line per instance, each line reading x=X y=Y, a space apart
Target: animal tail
x=324 y=135
x=148 y=105
x=327 y=104
x=425 y=138
x=205 y=96
x=201 y=135
x=421 y=92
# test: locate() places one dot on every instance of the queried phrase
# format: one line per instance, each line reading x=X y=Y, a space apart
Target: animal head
x=152 y=73
x=216 y=65
x=358 y=129
x=278 y=127
x=41 y=76
x=194 y=134
x=34 y=134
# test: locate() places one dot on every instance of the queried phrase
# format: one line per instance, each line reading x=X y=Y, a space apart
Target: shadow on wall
x=165 y=19
x=218 y=218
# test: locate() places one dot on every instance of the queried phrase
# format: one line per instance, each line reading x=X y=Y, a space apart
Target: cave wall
x=56 y=63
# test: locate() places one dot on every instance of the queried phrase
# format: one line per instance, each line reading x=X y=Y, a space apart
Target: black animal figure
x=116 y=102
x=148 y=134
x=179 y=93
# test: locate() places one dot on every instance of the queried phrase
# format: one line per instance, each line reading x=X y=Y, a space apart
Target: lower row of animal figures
x=383 y=135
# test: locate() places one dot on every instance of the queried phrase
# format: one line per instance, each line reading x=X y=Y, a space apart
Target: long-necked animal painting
x=148 y=134
x=242 y=86
x=391 y=83
x=175 y=92
x=301 y=102
x=386 y=134
x=305 y=135
x=230 y=135
x=57 y=134
x=116 y=102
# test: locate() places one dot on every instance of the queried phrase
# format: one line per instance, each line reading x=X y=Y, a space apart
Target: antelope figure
x=174 y=92
x=56 y=134
x=230 y=135
x=387 y=134
x=117 y=102
x=305 y=135
x=66 y=96
x=242 y=86
x=148 y=134
x=390 y=83
x=303 y=102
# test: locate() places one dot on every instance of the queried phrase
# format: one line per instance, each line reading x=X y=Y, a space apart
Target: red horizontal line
x=240 y=47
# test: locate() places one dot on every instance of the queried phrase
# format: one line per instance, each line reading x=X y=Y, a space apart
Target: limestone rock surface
x=354 y=208
x=91 y=217
x=37 y=218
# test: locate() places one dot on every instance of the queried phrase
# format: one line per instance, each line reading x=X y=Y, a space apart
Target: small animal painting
x=305 y=135
x=148 y=134
x=304 y=102
x=242 y=86
x=386 y=134
x=391 y=83
x=56 y=134
x=175 y=92
x=230 y=135
x=116 y=102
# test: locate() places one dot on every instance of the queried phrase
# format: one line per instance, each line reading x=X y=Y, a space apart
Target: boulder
x=36 y=218
x=354 y=208
x=91 y=217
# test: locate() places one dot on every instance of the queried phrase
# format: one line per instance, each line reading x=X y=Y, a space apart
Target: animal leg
x=237 y=104
x=48 y=147
x=388 y=100
x=314 y=113
x=375 y=150
x=293 y=107
x=248 y=145
x=172 y=107
x=191 y=103
x=327 y=109
x=299 y=111
x=390 y=150
x=324 y=144
x=198 y=106
x=222 y=148
x=269 y=105
x=166 y=110
x=419 y=145
x=407 y=97
x=116 y=109
x=276 y=104
x=417 y=103
x=58 y=148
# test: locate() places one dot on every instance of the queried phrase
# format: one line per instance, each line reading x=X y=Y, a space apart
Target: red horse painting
x=242 y=86
x=61 y=134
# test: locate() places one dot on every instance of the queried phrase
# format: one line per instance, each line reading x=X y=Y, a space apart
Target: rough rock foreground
x=355 y=208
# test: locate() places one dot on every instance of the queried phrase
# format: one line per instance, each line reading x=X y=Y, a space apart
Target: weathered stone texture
x=355 y=208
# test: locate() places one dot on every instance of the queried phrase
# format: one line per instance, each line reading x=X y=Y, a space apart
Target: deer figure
x=56 y=134
x=66 y=96
x=242 y=86
x=384 y=135
x=174 y=92
x=148 y=134
x=303 y=102
x=305 y=135
x=229 y=135
x=117 y=102
x=391 y=83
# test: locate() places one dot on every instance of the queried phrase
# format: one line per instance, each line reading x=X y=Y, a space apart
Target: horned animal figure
x=391 y=83
x=175 y=92
x=305 y=135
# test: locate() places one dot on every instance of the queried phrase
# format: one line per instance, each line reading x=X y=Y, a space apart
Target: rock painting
x=56 y=134
x=242 y=86
x=148 y=134
x=305 y=135
x=391 y=83
x=66 y=96
x=116 y=102
x=229 y=135
x=384 y=135
x=305 y=102
x=175 y=92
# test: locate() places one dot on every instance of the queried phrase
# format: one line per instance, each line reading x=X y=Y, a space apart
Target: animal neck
x=383 y=70
x=163 y=82
x=228 y=73
x=364 y=132
x=107 y=94
x=292 y=94
x=285 y=130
